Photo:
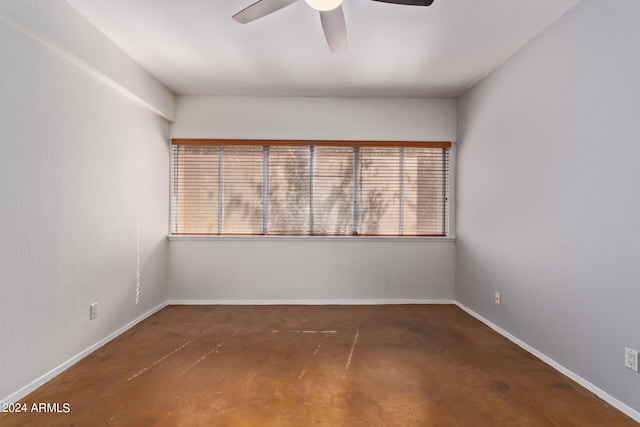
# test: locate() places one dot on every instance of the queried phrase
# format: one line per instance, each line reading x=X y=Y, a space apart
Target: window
x=317 y=188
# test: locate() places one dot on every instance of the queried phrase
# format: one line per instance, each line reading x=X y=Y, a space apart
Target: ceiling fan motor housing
x=323 y=5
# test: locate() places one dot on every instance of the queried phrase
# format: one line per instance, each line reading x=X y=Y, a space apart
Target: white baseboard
x=57 y=370
x=309 y=301
x=558 y=367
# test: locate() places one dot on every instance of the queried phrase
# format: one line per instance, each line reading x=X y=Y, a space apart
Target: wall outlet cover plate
x=631 y=359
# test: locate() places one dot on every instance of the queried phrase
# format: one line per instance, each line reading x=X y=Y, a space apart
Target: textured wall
x=58 y=26
x=548 y=194
x=315 y=118
x=313 y=269
x=83 y=177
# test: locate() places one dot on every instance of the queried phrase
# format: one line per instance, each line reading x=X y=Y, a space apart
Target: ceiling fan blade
x=259 y=9
x=335 y=29
x=408 y=2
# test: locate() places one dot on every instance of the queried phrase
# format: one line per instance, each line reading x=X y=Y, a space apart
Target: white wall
x=315 y=118
x=81 y=166
x=304 y=270
x=549 y=194
x=78 y=41
x=312 y=269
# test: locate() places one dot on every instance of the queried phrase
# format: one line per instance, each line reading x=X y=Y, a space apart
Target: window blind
x=333 y=190
x=241 y=182
x=380 y=191
x=425 y=195
x=195 y=189
x=289 y=190
x=311 y=188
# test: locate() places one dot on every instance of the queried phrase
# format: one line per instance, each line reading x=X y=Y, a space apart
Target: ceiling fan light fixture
x=323 y=5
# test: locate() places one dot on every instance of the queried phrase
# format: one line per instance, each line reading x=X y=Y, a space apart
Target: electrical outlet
x=93 y=310
x=631 y=358
x=498 y=299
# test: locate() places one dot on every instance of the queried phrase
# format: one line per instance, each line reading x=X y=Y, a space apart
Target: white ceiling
x=195 y=48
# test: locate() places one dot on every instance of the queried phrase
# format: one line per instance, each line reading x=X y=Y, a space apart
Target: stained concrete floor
x=430 y=365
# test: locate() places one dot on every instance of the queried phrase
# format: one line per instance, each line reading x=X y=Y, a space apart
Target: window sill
x=314 y=238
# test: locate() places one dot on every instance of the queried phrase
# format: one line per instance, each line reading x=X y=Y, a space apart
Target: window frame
x=448 y=205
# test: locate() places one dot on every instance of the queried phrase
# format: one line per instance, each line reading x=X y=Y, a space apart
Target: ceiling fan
x=331 y=16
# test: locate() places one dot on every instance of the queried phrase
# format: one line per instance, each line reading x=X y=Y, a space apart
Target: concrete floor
x=333 y=366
